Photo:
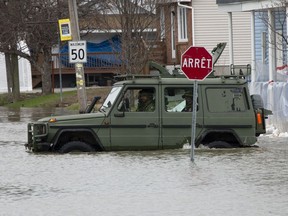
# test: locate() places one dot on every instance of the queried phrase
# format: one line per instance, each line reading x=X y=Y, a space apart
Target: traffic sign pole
x=79 y=68
x=194 y=117
x=196 y=64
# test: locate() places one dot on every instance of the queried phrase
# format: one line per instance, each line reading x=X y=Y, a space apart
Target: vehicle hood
x=73 y=117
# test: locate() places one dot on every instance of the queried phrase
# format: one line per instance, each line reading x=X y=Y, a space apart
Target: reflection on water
x=29 y=114
x=249 y=181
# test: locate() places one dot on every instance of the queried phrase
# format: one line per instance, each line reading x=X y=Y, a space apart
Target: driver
x=145 y=101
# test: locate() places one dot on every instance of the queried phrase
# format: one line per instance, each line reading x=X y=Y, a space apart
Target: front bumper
x=37 y=136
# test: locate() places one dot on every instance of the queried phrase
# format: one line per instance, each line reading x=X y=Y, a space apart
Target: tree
x=35 y=24
x=279 y=26
x=135 y=21
x=12 y=70
x=274 y=39
x=9 y=43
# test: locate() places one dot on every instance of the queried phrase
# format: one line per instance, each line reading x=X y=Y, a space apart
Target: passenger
x=189 y=101
x=145 y=101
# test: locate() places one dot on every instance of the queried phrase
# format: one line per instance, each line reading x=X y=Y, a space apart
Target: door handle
x=153 y=125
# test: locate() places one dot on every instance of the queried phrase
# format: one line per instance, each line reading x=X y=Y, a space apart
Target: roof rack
x=135 y=76
x=162 y=72
x=232 y=71
x=241 y=70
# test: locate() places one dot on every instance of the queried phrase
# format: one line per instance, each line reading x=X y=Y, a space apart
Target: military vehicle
x=227 y=116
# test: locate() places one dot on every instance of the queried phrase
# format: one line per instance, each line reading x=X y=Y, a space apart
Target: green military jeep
x=227 y=116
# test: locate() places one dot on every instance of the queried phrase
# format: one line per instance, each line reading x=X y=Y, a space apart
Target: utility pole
x=79 y=69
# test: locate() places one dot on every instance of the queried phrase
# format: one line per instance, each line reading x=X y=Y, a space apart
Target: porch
x=99 y=69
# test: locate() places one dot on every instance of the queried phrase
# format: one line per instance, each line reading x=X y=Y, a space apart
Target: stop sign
x=196 y=63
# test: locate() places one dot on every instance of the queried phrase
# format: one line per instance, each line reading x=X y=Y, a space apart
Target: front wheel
x=75 y=146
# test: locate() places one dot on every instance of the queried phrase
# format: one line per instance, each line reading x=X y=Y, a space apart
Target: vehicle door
x=228 y=109
x=177 y=115
x=134 y=125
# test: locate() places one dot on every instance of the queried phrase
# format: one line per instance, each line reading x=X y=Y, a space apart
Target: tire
x=75 y=146
x=220 y=144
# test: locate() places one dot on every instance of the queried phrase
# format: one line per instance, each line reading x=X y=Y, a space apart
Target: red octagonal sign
x=196 y=63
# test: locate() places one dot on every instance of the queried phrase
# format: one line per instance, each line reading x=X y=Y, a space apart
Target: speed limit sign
x=77 y=52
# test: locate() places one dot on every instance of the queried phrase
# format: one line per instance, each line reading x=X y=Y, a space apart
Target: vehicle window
x=109 y=101
x=178 y=99
x=226 y=99
x=138 y=100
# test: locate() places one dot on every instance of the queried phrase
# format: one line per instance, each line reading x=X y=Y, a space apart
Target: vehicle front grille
x=36 y=130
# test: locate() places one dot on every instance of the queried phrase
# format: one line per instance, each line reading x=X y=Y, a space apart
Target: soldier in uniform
x=145 y=101
x=189 y=101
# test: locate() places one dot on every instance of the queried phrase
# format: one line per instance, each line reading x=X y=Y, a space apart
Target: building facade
x=25 y=78
x=268 y=53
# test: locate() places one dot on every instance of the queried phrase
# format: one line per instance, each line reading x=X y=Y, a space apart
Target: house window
x=182 y=24
x=264 y=46
x=162 y=23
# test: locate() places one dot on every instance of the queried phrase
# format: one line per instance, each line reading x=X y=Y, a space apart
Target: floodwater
x=238 y=182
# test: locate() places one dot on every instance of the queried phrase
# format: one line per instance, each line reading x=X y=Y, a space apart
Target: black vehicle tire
x=75 y=146
x=221 y=144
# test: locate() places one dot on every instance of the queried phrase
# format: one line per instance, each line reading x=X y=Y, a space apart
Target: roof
x=248 y=5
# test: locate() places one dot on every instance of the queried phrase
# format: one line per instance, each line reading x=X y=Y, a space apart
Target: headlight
x=40 y=129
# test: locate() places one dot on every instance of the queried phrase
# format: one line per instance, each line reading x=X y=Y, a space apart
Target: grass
x=50 y=100
x=69 y=99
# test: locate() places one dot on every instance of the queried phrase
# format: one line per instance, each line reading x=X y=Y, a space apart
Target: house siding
x=212 y=27
x=260 y=27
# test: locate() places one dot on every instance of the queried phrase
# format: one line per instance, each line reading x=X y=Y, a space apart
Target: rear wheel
x=75 y=146
x=221 y=144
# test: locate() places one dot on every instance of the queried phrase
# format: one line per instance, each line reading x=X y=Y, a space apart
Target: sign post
x=79 y=67
x=196 y=64
x=65 y=35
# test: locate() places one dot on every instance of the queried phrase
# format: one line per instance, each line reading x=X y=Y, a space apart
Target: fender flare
x=73 y=130
x=208 y=131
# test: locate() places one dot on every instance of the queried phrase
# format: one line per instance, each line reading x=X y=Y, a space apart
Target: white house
x=25 y=78
x=268 y=51
x=241 y=24
x=211 y=26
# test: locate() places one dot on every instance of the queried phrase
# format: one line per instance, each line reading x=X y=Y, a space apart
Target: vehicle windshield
x=109 y=101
